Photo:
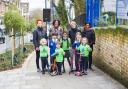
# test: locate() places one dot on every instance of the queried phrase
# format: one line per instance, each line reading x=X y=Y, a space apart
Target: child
x=44 y=53
x=59 y=52
x=75 y=45
x=65 y=44
x=52 y=46
x=84 y=49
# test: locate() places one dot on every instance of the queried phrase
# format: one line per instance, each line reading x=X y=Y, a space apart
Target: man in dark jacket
x=38 y=34
x=89 y=33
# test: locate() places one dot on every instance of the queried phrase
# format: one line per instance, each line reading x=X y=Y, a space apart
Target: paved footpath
x=27 y=78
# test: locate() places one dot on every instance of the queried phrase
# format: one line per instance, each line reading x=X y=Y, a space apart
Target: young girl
x=59 y=52
x=84 y=49
x=66 y=44
x=75 y=45
x=44 y=53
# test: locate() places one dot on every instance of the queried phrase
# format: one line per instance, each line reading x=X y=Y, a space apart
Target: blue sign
x=89 y=11
x=96 y=12
x=92 y=12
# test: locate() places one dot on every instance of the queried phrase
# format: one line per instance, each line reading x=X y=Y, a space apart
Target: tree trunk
x=13 y=46
x=22 y=38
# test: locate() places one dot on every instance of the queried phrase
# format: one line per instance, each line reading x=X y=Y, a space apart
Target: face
x=43 y=41
x=40 y=23
x=73 y=24
x=84 y=40
x=65 y=35
x=78 y=37
x=58 y=45
x=87 y=26
x=56 y=24
x=54 y=37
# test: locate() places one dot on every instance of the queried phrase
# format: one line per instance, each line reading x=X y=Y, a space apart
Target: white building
x=24 y=8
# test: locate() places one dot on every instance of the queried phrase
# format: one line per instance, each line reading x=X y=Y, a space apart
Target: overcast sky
x=109 y=5
x=36 y=4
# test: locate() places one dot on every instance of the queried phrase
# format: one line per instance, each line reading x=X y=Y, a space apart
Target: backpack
x=67 y=42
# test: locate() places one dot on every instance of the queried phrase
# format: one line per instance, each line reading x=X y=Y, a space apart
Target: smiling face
x=73 y=24
x=43 y=41
x=65 y=35
x=58 y=45
x=56 y=23
x=87 y=26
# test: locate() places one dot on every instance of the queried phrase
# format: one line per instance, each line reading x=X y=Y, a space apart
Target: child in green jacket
x=84 y=49
x=44 y=53
x=59 y=52
x=66 y=44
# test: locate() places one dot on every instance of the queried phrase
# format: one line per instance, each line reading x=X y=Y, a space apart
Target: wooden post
x=13 y=46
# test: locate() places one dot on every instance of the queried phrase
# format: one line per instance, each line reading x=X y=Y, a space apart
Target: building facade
x=24 y=8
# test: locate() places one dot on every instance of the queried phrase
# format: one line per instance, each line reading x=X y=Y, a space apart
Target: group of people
x=74 y=45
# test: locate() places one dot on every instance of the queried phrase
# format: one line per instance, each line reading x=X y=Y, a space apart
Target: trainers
x=63 y=71
x=43 y=72
x=60 y=73
x=38 y=70
x=91 y=69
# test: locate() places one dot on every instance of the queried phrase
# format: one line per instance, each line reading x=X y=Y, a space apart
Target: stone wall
x=111 y=52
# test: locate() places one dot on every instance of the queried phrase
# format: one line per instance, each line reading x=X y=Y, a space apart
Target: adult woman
x=56 y=29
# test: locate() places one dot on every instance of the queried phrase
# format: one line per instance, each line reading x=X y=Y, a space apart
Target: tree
x=79 y=7
x=62 y=13
x=14 y=22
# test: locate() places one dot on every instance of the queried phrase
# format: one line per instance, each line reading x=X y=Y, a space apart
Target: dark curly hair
x=55 y=21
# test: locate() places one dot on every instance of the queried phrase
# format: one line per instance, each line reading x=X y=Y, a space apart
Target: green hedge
x=6 y=58
x=111 y=30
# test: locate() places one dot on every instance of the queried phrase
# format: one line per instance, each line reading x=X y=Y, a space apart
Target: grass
x=6 y=58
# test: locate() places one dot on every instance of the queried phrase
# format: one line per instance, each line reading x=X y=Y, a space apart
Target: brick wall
x=112 y=49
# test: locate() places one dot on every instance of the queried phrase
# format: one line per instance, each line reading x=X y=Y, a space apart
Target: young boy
x=84 y=49
x=59 y=52
x=44 y=53
x=52 y=46
x=65 y=44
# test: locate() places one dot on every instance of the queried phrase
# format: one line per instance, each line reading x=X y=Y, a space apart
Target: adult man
x=38 y=34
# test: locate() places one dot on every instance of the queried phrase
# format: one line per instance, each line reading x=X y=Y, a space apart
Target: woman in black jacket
x=38 y=34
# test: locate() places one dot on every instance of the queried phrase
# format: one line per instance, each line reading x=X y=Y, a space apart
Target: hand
x=37 y=49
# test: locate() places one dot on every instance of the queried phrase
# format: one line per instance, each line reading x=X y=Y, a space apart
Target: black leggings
x=83 y=63
x=90 y=58
x=43 y=62
x=67 y=55
x=37 y=59
x=59 y=64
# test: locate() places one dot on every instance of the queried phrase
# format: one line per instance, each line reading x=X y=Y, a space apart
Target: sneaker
x=91 y=69
x=60 y=73
x=63 y=71
x=86 y=73
x=43 y=72
x=38 y=70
